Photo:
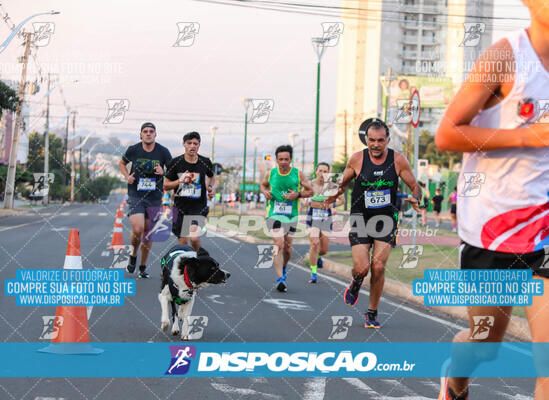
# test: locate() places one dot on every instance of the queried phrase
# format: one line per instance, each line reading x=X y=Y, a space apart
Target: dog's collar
x=186 y=278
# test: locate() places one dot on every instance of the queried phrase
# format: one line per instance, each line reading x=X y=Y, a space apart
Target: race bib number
x=146 y=184
x=282 y=208
x=377 y=198
x=320 y=215
x=190 y=190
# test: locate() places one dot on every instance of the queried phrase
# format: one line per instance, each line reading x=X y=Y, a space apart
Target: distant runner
x=437 y=206
x=319 y=219
x=282 y=187
x=452 y=199
x=376 y=171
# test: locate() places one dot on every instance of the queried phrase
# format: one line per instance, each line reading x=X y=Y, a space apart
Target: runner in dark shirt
x=192 y=178
x=148 y=160
x=437 y=206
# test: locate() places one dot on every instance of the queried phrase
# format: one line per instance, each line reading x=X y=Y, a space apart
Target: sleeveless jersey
x=375 y=188
x=278 y=207
x=503 y=195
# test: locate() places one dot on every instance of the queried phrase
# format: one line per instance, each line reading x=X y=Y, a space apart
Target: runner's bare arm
x=124 y=171
x=210 y=186
x=307 y=188
x=265 y=187
x=404 y=171
x=169 y=185
x=483 y=88
x=348 y=175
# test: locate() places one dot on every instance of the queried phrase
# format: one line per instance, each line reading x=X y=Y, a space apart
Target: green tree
x=429 y=150
x=8 y=98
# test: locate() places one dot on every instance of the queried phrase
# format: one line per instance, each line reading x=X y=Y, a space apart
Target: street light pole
x=256 y=140
x=213 y=130
x=47 y=147
x=319 y=47
x=246 y=105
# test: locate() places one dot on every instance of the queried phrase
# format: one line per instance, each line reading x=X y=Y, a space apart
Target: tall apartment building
x=427 y=44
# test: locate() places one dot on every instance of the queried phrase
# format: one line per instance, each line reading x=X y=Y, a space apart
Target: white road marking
x=222 y=387
x=220 y=235
x=105 y=253
x=64 y=213
x=102 y=214
x=83 y=214
x=361 y=386
x=15 y=226
x=314 y=389
x=213 y=298
x=61 y=229
x=287 y=304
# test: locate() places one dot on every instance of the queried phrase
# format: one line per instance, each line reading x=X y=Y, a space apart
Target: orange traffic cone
x=117 y=241
x=73 y=336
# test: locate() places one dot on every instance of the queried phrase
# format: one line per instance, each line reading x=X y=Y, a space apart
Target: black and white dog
x=183 y=272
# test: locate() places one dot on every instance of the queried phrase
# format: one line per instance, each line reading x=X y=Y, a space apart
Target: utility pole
x=80 y=163
x=303 y=155
x=319 y=47
x=388 y=95
x=10 y=180
x=242 y=196
x=213 y=130
x=47 y=147
x=72 y=154
x=346 y=156
x=65 y=146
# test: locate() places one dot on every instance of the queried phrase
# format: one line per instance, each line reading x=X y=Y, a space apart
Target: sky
x=124 y=49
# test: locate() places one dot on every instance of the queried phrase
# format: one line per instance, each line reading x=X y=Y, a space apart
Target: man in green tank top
x=282 y=187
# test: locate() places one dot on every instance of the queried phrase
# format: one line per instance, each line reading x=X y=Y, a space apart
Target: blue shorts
x=137 y=205
x=319 y=218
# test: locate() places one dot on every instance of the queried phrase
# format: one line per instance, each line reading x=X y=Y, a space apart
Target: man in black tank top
x=374 y=214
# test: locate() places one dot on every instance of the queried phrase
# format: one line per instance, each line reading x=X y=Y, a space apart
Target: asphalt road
x=246 y=309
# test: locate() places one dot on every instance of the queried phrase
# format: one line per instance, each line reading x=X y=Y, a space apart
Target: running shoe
x=319 y=262
x=445 y=392
x=131 y=265
x=371 y=320
x=351 y=293
x=313 y=279
x=142 y=271
x=281 y=287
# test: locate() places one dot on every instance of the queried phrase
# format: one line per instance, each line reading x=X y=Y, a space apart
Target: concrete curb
x=518 y=326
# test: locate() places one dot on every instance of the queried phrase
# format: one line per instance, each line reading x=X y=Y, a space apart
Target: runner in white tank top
x=503 y=199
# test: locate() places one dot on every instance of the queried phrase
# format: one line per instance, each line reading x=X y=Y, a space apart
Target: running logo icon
x=42 y=33
x=331 y=184
x=472 y=33
x=542 y=114
x=160 y=227
x=52 y=323
x=121 y=257
x=545 y=263
x=261 y=110
x=186 y=33
x=341 y=325
x=116 y=110
x=197 y=324
x=331 y=31
x=181 y=359
x=41 y=184
x=409 y=259
x=472 y=185
x=403 y=112
x=264 y=256
x=482 y=325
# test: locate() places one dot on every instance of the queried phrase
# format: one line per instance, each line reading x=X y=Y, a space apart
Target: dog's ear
x=192 y=262
x=202 y=252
